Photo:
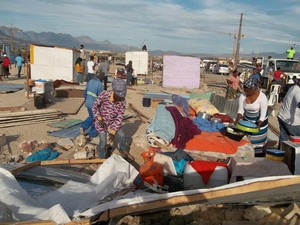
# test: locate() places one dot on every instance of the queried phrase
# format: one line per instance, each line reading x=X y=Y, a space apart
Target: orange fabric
x=214 y=142
x=205 y=168
x=192 y=112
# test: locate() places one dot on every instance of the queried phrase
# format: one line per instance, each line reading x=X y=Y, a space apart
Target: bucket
x=40 y=86
x=146 y=102
x=151 y=172
x=39 y=101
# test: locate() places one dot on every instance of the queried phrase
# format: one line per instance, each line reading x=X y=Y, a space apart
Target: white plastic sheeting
x=113 y=175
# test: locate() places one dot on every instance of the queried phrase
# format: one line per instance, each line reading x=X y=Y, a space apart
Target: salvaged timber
x=139 y=112
x=29 y=112
x=12 y=108
x=261 y=190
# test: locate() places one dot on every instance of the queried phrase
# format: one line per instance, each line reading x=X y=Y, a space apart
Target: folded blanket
x=214 y=142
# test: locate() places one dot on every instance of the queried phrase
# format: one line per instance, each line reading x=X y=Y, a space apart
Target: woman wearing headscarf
x=253 y=105
x=109 y=109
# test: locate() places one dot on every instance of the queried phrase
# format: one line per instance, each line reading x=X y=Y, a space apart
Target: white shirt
x=90 y=66
x=289 y=111
x=260 y=106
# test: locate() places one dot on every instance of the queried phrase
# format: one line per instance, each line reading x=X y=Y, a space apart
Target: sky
x=186 y=26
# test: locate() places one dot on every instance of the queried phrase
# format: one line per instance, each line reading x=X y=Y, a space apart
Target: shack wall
x=52 y=63
x=181 y=71
x=139 y=61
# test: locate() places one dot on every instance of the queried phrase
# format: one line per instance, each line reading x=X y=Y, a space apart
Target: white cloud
x=163 y=24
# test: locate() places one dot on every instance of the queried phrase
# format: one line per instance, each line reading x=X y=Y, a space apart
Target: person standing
x=253 y=105
x=104 y=68
x=91 y=66
x=79 y=70
x=256 y=76
x=291 y=53
x=289 y=114
x=92 y=90
x=109 y=109
x=234 y=85
x=129 y=71
x=5 y=66
x=19 y=60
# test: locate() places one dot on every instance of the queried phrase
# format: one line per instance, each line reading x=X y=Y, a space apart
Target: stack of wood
x=11 y=119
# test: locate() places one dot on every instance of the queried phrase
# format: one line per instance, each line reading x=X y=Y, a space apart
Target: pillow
x=203 y=105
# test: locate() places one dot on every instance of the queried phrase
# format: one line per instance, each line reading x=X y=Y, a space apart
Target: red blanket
x=214 y=142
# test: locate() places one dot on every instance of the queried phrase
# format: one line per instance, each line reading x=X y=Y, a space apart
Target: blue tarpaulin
x=9 y=88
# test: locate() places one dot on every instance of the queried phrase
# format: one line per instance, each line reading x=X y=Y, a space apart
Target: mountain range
x=20 y=38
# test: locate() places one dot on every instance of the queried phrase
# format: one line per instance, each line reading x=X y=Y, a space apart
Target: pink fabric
x=235 y=81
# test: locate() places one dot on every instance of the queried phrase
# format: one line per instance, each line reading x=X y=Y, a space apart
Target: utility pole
x=237 y=51
x=11 y=39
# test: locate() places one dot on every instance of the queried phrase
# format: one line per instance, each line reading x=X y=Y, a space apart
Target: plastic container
x=236 y=136
x=193 y=179
x=295 y=138
x=146 y=102
x=40 y=86
x=151 y=172
x=275 y=154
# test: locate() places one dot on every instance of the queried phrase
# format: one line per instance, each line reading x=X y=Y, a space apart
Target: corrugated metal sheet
x=224 y=105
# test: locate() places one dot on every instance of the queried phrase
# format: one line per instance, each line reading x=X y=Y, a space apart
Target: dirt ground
x=135 y=133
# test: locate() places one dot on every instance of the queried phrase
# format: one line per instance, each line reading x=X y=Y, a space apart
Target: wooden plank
x=28 y=122
x=25 y=167
x=138 y=111
x=12 y=108
x=72 y=161
x=28 y=118
x=235 y=193
x=29 y=112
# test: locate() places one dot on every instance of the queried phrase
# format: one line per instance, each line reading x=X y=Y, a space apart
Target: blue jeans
x=102 y=143
x=19 y=70
x=287 y=130
x=79 y=77
x=90 y=76
x=89 y=123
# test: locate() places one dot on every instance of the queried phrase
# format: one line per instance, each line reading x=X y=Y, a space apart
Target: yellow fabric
x=78 y=68
x=202 y=105
x=113 y=132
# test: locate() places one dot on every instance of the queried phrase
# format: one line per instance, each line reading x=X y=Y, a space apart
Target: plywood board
x=181 y=71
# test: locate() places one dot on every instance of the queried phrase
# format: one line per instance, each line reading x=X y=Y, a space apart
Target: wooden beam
x=138 y=111
x=30 y=112
x=29 y=122
x=13 y=108
x=71 y=161
x=234 y=192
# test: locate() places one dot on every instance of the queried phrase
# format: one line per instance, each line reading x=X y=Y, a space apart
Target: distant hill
x=66 y=40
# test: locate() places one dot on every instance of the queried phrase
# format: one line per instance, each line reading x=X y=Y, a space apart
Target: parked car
x=223 y=69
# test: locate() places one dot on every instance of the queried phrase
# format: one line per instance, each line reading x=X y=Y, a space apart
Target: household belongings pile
x=196 y=151
x=109 y=193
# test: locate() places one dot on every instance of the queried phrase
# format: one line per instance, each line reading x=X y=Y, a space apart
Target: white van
x=289 y=66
